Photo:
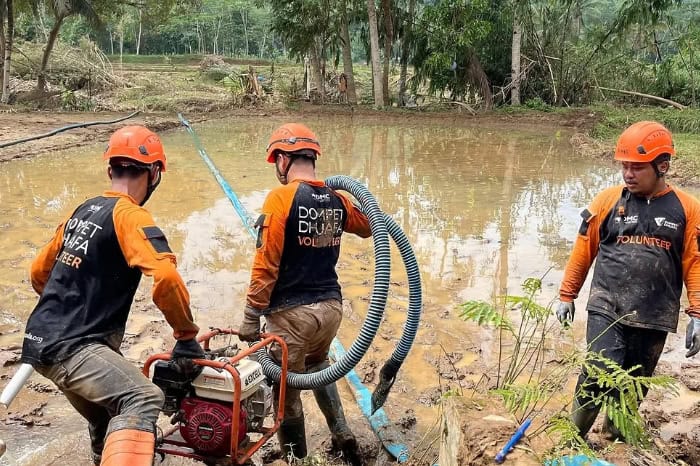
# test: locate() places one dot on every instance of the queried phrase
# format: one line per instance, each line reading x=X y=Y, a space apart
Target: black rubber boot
x=583 y=417
x=612 y=432
x=342 y=437
x=292 y=438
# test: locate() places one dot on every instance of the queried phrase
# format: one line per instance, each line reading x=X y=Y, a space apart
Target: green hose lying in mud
x=381 y=226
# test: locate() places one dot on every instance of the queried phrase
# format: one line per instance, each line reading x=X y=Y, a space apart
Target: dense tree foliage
x=538 y=52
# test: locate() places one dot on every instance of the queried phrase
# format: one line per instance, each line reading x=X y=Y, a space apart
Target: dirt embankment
x=15 y=125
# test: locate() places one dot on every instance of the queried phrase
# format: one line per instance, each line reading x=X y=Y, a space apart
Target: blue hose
x=381 y=225
x=240 y=210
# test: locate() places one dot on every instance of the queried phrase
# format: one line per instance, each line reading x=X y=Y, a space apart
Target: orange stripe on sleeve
x=44 y=261
x=691 y=251
x=357 y=222
x=586 y=246
x=169 y=291
x=268 y=254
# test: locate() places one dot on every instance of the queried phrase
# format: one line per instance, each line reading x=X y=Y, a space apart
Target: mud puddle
x=484 y=209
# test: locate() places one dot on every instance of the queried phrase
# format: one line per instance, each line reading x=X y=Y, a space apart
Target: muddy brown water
x=484 y=208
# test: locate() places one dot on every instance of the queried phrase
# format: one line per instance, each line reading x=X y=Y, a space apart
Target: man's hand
x=187 y=349
x=250 y=327
x=182 y=355
x=692 y=337
x=565 y=313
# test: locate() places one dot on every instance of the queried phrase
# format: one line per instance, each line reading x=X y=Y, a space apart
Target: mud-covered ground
x=38 y=412
x=675 y=422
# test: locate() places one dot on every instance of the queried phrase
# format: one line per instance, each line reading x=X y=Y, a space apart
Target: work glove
x=692 y=337
x=250 y=327
x=187 y=349
x=182 y=355
x=565 y=313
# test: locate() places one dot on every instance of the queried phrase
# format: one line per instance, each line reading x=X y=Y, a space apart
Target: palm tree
x=61 y=10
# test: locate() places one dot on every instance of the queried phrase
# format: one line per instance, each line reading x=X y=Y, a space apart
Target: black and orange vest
x=89 y=291
x=312 y=234
x=638 y=272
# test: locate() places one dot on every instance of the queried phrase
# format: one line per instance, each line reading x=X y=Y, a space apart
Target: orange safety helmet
x=643 y=142
x=136 y=143
x=292 y=137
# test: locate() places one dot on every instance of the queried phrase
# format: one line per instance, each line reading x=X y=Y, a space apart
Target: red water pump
x=218 y=408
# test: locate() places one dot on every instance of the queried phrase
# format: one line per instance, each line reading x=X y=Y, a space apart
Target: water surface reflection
x=484 y=207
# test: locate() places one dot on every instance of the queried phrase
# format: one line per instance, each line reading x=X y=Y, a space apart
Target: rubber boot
x=130 y=442
x=292 y=438
x=342 y=437
x=97 y=441
x=612 y=432
x=583 y=417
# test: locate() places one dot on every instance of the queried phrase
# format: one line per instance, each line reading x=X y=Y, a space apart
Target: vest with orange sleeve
x=312 y=235
x=89 y=291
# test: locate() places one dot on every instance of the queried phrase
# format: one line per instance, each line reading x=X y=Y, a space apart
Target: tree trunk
x=388 y=43
x=262 y=47
x=111 y=41
x=8 y=53
x=245 y=32
x=138 y=34
x=40 y=15
x=405 y=50
x=215 y=39
x=515 y=62
x=307 y=78
x=374 y=45
x=41 y=80
x=317 y=68
x=200 y=40
x=347 y=53
x=2 y=33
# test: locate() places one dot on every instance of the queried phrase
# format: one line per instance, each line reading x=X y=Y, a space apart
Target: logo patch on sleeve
x=157 y=239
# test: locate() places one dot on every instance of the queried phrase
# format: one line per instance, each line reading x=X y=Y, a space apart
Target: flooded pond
x=484 y=208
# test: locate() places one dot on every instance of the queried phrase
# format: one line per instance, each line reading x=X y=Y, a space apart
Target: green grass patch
x=615 y=119
x=684 y=124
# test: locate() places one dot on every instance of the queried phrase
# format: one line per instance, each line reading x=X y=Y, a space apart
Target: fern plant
x=526 y=385
x=528 y=336
x=620 y=394
x=484 y=314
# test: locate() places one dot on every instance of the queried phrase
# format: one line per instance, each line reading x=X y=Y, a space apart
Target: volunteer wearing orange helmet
x=293 y=281
x=644 y=237
x=86 y=277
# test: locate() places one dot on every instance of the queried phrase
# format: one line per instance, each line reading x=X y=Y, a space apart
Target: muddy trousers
x=108 y=391
x=308 y=331
x=626 y=346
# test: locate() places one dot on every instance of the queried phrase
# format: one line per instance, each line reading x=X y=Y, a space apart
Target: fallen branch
x=647 y=96
x=461 y=104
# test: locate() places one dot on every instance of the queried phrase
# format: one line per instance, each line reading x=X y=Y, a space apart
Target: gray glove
x=565 y=313
x=250 y=327
x=692 y=337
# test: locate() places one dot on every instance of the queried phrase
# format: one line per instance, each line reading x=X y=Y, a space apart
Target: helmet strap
x=655 y=166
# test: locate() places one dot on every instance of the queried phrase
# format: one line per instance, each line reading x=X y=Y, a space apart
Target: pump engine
x=202 y=401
